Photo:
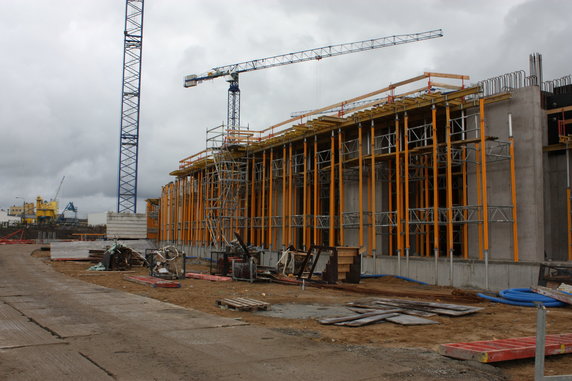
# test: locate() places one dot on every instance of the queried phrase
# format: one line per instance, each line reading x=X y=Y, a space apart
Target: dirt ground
x=495 y=321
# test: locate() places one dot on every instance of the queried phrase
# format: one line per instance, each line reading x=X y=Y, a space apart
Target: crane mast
x=130 y=96
x=232 y=71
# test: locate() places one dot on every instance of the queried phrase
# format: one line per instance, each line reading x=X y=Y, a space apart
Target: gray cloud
x=60 y=74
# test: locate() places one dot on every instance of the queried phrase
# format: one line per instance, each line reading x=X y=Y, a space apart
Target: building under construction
x=431 y=177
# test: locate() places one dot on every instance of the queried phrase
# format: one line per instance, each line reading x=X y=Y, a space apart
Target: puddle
x=304 y=311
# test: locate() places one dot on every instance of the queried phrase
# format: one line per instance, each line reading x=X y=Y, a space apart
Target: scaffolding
x=401 y=175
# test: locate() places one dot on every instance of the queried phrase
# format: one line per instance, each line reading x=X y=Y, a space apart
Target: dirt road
x=53 y=327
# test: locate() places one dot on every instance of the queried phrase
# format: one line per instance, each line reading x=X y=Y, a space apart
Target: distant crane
x=59 y=189
x=231 y=72
x=72 y=208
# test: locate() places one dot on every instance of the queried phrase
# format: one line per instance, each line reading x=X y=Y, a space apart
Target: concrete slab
x=143 y=339
x=9 y=313
x=63 y=325
x=106 y=299
x=21 y=332
x=9 y=291
x=158 y=321
x=53 y=363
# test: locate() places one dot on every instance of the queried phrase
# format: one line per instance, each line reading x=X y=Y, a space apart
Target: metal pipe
x=252 y=201
x=484 y=176
x=341 y=183
x=540 y=342
x=435 y=183
x=290 y=195
x=398 y=196
x=315 y=240
x=569 y=219
x=449 y=190
x=263 y=206
x=360 y=186
x=465 y=226
x=435 y=194
x=390 y=208
x=426 y=206
x=513 y=191
x=332 y=231
x=305 y=244
x=373 y=208
x=406 y=181
x=271 y=200
x=284 y=159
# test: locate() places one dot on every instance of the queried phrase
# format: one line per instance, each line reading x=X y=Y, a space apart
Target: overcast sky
x=61 y=65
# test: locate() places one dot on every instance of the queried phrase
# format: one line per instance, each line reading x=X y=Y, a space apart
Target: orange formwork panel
x=506 y=349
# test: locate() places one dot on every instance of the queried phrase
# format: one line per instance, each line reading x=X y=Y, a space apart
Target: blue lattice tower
x=129 y=137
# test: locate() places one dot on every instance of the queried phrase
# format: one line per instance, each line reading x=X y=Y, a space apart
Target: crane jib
x=311 y=54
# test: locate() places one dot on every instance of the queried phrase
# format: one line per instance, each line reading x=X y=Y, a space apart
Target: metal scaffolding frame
x=413 y=159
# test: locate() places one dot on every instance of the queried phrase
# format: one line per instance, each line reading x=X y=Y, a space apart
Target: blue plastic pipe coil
x=523 y=297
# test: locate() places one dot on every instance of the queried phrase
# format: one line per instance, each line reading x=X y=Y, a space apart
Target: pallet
x=506 y=349
x=243 y=304
x=152 y=281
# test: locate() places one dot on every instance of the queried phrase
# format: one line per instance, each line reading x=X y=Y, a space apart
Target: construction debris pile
x=165 y=262
x=116 y=258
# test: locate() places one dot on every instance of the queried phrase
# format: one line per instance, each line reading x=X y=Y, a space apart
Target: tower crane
x=130 y=97
x=232 y=71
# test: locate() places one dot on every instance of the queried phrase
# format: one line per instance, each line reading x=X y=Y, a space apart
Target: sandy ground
x=496 y=321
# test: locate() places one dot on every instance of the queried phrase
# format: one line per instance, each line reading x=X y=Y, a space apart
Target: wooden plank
x=341 y=319
x=554 y=294
x=410 y=320
x=558 y=110
x=367 y=320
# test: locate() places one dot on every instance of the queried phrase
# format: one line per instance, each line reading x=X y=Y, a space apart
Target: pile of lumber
x=96 y=255
x=399 y=311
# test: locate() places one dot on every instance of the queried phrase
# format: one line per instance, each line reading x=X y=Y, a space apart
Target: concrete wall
x=95 y=219
x=469 y=274
x=555 y=218
x=126 y=225
x=465 y=273
x=529 y=123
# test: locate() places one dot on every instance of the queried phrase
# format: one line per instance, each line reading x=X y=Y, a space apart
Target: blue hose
x=366 y=276
x=522 y=297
